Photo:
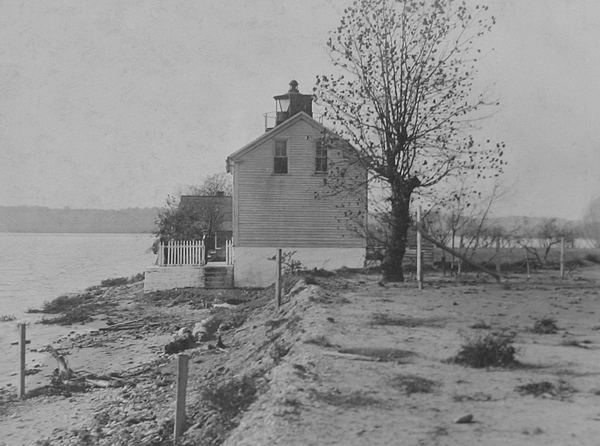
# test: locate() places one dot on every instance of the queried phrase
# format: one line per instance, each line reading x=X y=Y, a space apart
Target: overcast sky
x=115 y=104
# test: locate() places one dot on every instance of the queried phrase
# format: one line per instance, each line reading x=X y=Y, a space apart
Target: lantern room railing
x=271 y=119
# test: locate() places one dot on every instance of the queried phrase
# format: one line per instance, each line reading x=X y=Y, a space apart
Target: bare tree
x=463 y=220
x=213 y=185
x=544 y=236
x=405 y=100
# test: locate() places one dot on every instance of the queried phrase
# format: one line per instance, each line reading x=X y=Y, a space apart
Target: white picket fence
x=180 y=253
x=229 y=252
x=192 y=253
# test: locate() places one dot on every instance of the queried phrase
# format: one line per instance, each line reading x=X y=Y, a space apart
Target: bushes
x=492 y=350
x=122 y=280
x=545 y=326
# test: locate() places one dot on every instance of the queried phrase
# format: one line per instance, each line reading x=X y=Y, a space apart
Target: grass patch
x=77 y=315
x=62 y=304
x=546 y=325
x=117 y=281
x=477 y=396
x=231 y=397
x=410 y=384
x=7 y=318
x=546 y=388
x=492 y=350
x=404 y=321
x=357 y=398
x=480 y=326
x=73 y=309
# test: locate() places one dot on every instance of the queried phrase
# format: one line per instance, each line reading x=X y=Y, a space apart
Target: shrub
x=62 y=304
x=72 y=316
x=232 y=397
x=410 y=384
x=114 y=281
x=7 y=318
x=405 y=321
x=492 y=350
x=594 y=258
x=545 y=326
x=546 y=388
x=356 y=398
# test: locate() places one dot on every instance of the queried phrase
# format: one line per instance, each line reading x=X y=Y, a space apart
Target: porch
x=184 y=264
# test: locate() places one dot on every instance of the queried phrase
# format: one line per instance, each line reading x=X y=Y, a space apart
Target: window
x=321 y=159
x=281 y=157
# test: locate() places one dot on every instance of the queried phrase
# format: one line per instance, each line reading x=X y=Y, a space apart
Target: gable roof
x=236 y=156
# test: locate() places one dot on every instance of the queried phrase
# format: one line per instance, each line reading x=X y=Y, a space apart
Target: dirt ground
x=346 y=361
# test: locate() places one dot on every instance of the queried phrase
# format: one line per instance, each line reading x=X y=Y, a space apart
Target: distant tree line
x=38 y=219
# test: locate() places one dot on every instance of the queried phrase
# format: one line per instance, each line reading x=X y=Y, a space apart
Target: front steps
x=218 y=276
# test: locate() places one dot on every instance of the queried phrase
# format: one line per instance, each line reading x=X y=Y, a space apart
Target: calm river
x=39 y=267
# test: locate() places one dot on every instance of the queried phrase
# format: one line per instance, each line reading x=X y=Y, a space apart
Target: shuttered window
x=281 y=157
x=321 y=159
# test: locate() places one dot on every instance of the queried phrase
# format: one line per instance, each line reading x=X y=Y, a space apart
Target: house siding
x=281 y=209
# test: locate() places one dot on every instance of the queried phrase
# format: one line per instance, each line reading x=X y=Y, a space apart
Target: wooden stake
x=498 y=256
x=182 y=376
x=278 y=281
x=562 y=258
x=22 y=343
x=419 y=255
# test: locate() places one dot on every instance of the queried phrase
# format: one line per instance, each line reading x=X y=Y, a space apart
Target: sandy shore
x=346 y=361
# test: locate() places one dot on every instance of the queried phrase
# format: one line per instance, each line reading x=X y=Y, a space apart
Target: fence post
x=498 y=256
x=419 y=251
x=562 y=258
x=278 y=281
x=22 y=342
x=182 y=376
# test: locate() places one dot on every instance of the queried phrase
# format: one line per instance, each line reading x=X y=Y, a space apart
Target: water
x=38 y=267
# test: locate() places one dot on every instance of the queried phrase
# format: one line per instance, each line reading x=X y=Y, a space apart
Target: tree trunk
x=400 y=222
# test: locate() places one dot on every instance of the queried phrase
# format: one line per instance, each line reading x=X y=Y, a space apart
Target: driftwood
x=351 y=356
x=69 y=377
x=129 y=325
x=64 y=371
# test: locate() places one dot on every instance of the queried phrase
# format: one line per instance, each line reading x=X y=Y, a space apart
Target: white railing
x=179 y=253
x=229 y=252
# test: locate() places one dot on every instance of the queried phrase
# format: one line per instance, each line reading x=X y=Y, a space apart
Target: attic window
x=281 y=157
x=321 y=159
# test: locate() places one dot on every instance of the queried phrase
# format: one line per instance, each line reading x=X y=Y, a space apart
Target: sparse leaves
x=404 y=98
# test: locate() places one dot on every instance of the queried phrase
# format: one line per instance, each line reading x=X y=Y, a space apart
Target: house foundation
x=255 y=267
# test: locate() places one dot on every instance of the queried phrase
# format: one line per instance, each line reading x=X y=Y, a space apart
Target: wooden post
x=419 y=255
x=278 y=281
x=498 y=256
x=182 y=376
x=22 y=342
x=562 y=258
